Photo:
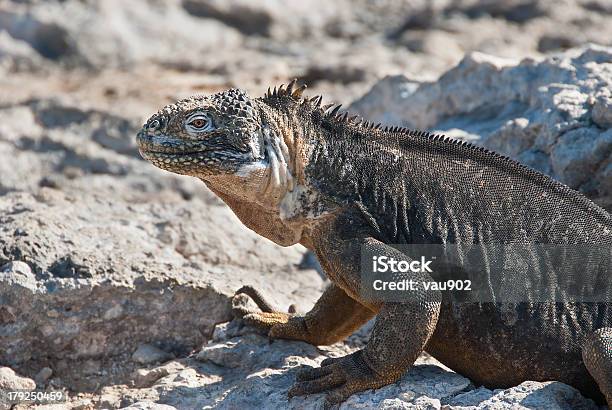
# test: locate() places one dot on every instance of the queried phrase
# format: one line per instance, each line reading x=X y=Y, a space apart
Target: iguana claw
x=265 y=318
x=340 y=378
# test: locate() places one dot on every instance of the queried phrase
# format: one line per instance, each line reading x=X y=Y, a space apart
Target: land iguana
x=295 y=171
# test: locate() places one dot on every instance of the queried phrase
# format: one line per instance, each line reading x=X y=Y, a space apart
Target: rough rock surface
x=9 y=380
x=114 y=275
x=553 y=115
x=239 y=368
x=339 y=47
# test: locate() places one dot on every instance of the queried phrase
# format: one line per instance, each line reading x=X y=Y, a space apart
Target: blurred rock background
x=115 y=276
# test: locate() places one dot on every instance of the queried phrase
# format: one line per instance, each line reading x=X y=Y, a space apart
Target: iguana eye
x=199 y=123
x=153 y=125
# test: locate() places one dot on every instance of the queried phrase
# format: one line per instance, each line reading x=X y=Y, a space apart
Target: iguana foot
x=278 y=324
x=238 y=302
x=340 y=378
x=597 y=356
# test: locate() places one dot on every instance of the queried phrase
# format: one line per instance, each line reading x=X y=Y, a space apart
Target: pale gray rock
x=87 y=302
x=247 y=17
x=17 y=55
x=148 y=405
x=526 y=396
x=504 y=26
x=243 y=369
x=11 y=381
x=17 y=273
x=49 y=39
x=43 y=375
x=253 y=371
x=551 y=114
x=145 y=378
x=149 y=354
x=80 y=33
x=602 y=111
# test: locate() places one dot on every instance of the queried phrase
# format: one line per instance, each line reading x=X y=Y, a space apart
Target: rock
x=17 y=267
x=49 y=39
x=385 y=101
x=602 y=111
x=247 y=371
x=108 y=401
x=254 y=372
x=148 y=405
x=527 y=395
x=148 y=354
x=78 y=34
x=145 y=378
x=578 y=154
x=599 y=6
x=73 y=304
x=17 y=273
x=517 y=11
x=11 y=381
x=43 y=375
x=17 y=55
x=540 y=113
x=243 y=16
x=553 y=42
x=343 y=74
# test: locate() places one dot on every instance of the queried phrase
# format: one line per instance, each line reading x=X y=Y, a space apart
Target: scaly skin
x=298 y=173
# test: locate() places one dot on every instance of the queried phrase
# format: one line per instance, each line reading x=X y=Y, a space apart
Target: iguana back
x=424 y=188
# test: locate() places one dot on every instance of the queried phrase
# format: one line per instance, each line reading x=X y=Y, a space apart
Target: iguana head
x=242 y=147
x=205 y=135
x=250 y=152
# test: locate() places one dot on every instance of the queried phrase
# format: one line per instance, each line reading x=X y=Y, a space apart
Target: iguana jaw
x=190 y=158
x=173 y=154
x=265 y=181
x=267 y=195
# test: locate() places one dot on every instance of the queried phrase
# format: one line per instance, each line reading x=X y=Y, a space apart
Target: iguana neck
x=278 y=172
x=271 y=196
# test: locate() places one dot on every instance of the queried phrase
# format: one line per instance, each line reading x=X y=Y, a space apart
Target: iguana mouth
x=162 y=145
x=169 y=153
x=162 y=154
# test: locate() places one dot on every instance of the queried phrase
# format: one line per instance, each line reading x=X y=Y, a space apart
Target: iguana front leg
x=334 y=317
x=399 y=335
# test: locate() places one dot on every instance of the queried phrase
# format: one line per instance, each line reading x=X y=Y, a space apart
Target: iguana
x=295 y=171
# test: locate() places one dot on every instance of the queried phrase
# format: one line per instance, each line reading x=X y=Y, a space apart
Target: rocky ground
x=115 y=276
